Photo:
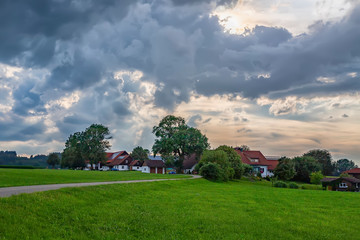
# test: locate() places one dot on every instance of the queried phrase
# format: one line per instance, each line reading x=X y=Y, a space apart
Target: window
x=254 y=160
x=126 y=161
x=122 y=167
x=343 y=185
x=137 y=168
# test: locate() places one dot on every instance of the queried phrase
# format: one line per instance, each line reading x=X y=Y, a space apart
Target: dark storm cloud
x=17 y=129
x=195 y=2
x=35 y=26
x=26 y=100
x=178 y=46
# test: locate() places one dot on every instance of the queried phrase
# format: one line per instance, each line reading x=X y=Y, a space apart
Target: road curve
x=9 y=191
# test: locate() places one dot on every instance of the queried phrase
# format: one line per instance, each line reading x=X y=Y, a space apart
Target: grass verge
x=195 y=209
x=24 y=177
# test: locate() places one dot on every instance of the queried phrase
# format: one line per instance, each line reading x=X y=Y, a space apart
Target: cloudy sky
x=281 y=76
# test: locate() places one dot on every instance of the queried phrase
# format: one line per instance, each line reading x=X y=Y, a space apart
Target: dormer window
x=254 y=160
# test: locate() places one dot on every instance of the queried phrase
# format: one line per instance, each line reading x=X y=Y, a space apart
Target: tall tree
x=285 y=170
x=139 y=153
x=90 y=145
x=323 y=157
x=95 y=143
x=53 y=159
x=304 y=166
x=342 y=165
x=175 y=138
x=71 y=156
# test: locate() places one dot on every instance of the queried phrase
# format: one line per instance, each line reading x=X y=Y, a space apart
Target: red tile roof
x=136 y=163
x=253 y=157
x=256 y=158
x=354 y=170
x=120 y=159
x=273 y=164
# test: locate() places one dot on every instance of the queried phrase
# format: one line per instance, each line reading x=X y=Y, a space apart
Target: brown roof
x=136 y=163
x=154 y=163
x=120 y=160
x=349 y=179
x=354 y=170
x=190 y=161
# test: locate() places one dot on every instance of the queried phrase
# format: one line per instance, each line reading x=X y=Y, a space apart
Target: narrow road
x=9 y=191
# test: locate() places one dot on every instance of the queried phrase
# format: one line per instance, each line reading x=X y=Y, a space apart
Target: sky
x=280 y=76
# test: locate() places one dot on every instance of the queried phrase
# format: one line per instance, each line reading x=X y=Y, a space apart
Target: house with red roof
x=258 y=161
x=120 y=160
x=136 y=165
x=355 y=172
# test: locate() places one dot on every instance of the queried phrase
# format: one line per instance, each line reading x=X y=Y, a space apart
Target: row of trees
x=302 y=167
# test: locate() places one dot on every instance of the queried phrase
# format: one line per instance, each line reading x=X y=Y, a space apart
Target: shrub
x=280 y=184
x=212 y=171
x=247 y=169
x=293 y=185
x=315 y=177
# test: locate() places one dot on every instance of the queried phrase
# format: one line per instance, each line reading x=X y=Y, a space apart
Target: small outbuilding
x=153 y=166
x=348 y=184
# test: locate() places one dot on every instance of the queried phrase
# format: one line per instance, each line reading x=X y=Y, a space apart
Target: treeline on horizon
x=11 y=158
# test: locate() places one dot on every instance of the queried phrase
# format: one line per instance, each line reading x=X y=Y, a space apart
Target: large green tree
x=53 y=159
x=90 y=145
x=95 y=143
x=323 y=157
x=304 y=166
x=71 y=156
x=342 y=165
x=285 y=170
x=175 y=138
x=234 y=160
x=140 y=153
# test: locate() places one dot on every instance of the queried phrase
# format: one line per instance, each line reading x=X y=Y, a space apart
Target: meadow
x=22 y=177
x=191 y=209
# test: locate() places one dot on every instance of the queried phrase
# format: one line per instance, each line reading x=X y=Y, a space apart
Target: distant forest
x=11 y=158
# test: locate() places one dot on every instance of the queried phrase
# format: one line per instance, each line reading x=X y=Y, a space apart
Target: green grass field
x=22 y=177
x=192 y=209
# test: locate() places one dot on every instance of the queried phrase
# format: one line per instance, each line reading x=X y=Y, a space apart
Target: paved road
x=9 y=191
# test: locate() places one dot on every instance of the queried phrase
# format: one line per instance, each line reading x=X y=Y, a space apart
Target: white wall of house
x=137 y=168
x=121 y=167
x=190 y=170
x=105 y=168
x=146 y=169
x=265 y=173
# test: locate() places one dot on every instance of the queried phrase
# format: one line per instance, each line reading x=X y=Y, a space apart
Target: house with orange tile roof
x=258 y=161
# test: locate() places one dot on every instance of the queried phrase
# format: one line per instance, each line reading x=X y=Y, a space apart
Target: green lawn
x=22 y=177
x=193 y=209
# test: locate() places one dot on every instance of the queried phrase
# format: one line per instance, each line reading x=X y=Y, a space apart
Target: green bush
x=293 y=185
x=315 y=177
x=212 y=171
x=280 y=184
